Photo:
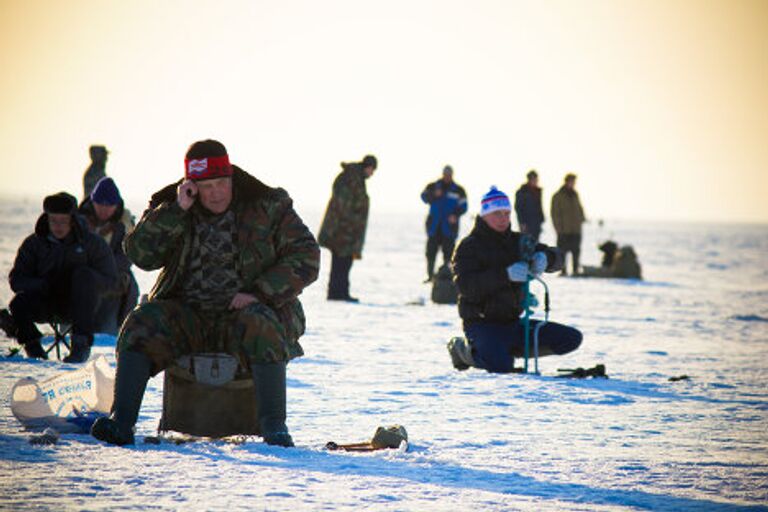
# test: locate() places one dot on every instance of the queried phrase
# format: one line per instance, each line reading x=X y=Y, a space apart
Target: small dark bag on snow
x=443 y=289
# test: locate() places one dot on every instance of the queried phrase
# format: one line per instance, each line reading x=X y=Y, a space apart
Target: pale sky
x=659 y=106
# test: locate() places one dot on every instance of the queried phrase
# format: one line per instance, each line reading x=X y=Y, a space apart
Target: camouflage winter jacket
x=346 y=218
x=278 y=255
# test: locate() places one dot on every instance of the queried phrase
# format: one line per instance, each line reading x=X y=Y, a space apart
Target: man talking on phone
x=233 y=257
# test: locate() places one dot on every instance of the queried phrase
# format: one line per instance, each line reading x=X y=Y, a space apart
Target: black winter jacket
x=528 y=206
x=42 y=260
x=480 y=272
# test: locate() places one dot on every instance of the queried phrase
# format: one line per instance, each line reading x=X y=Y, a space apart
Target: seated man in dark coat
x=59 y=272
x=107 y=216
x=489 y=271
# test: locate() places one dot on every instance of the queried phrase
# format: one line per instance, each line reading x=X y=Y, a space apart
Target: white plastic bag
x=69 y=401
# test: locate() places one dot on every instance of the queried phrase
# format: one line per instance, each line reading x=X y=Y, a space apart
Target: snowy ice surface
x=478 y=441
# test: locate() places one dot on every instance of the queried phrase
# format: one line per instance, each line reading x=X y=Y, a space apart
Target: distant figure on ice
x=108 y=217
x=530 y=214
x=567 y=217
x=619 y=262
x=447 y=203
x=96 y=170
x=59 y=273
x=346 y=219
x=489 y=271
x=234 y=257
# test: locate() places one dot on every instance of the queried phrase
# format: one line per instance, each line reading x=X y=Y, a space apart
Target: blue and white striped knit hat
x=494 y=200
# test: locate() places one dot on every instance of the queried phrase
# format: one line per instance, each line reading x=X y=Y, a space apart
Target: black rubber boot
x=34 y=349
x=133 y=372
x=80 y=349
x=8 y=325
x=461 y=353
x=269 y=379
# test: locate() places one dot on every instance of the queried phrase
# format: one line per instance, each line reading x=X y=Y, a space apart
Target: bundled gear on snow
x=385 y=437
x=68 y=401
x=618 y=262
x=443 y=289
x=598 y=371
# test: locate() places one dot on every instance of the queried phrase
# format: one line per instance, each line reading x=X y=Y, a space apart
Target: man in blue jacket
x=447 y=202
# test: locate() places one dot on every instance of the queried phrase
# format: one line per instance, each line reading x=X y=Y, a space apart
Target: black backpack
x=443 y=289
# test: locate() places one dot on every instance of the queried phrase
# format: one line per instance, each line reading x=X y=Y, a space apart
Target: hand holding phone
x=186 y=193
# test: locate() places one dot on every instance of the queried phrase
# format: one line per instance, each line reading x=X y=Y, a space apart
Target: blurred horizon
x=312 y=216
x=660 y=107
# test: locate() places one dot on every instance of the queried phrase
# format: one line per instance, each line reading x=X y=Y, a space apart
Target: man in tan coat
x=568 y=216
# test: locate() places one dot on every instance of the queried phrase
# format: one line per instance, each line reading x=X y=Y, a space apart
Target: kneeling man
x=489 y=270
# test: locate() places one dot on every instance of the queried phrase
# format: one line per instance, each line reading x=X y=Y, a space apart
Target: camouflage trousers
x=164 y=330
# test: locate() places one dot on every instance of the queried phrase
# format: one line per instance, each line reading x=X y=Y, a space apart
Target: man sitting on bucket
x=234 y=256
x=489 y=271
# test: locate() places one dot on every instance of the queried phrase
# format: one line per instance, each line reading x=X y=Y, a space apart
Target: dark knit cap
x=370 y=161
x=532 y=174
x=206 y=148
x=60 y=203
x=570 y=176
x=105 y=192
x=207 y=159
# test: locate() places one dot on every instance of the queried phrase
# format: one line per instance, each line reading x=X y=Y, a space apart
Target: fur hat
x=207 y=159
x=105 y=192
x=494 y=200
x=60 y=203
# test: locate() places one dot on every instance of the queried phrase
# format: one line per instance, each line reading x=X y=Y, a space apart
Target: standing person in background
x=96 y=170
x=447 y=202
x=567 y=217
x=344 y=224
x=530 y=214
x=107 y=216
